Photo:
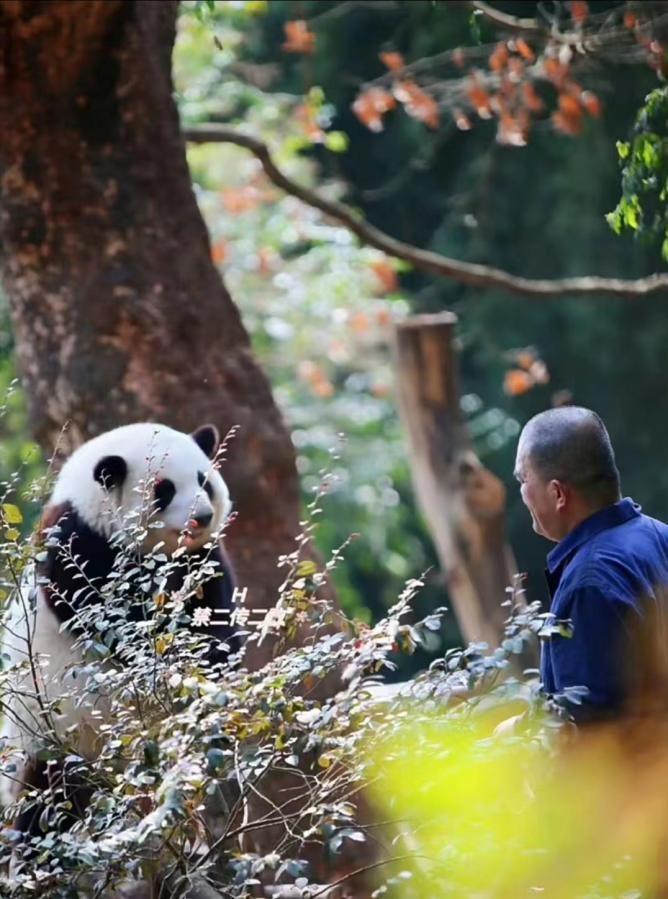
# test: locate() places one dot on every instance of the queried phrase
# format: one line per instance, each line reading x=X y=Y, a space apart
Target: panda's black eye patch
x=110 y=471
x=163 y=492
x=202 y=481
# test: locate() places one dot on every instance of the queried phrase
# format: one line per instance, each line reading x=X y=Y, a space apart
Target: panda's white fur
x=152 y=452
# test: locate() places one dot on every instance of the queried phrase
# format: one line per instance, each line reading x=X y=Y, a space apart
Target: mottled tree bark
x=119 y=314
x=463 y=502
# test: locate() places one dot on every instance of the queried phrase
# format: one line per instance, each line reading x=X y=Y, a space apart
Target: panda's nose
x=202 y=521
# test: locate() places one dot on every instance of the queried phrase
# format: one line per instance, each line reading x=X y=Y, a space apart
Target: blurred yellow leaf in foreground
x=507 y=816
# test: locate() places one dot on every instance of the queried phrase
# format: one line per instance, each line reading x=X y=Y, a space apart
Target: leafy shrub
x=644 y=160
x=187 y=749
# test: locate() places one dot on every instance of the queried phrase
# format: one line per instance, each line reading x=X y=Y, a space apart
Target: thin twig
x=363 y=870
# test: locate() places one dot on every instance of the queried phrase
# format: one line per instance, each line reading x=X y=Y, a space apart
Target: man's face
x=538 y=496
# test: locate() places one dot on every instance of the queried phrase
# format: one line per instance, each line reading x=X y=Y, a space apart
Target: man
x=609 y=567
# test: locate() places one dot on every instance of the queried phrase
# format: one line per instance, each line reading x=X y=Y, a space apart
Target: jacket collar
x=606 y=518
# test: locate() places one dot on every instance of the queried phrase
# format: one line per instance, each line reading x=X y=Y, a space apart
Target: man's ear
x=559 y=492
x=110 y=471
x=207 y=439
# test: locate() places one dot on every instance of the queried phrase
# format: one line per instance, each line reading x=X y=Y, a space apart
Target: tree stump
x=462 y=501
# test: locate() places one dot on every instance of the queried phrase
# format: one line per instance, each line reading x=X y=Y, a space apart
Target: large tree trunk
x=463 y=502
x=119 y=314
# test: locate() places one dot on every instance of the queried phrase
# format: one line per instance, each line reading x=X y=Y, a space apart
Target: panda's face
x=152 y=476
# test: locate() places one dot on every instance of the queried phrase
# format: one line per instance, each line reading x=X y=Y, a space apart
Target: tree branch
x=474 y=274
x=364 y=870
x=504 y=20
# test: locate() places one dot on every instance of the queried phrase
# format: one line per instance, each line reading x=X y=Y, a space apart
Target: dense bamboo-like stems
x=463 y=502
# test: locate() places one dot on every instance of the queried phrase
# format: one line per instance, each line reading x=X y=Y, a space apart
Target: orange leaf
x=579 y=11
x=241 y=199
x=381 y=390
x=392 y=60
x=371 y=105
x=308 y=370
x=306 y=117
x=512 y=131
x=516 y=69
x=539 y=372
x=499 y=58
x=524 y=49
x=219 y=251
x=338 y=351
x=531 y=99
x=298 y=38
x=360 y=322
x=525 y=359
x=383 y=317
x=568 y=118
x=591 y=103
x=384 y=271
x=265 y=260
x=569 y=105
x=323 y=388
x=630 y=19
x=418 y=104
x=479 y=99
x=556 y=71
x=567 y=124
x=315 y=377
x=517 y=382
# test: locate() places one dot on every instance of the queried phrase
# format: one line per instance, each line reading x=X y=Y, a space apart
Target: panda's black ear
x=207 y=439
x=110 y=471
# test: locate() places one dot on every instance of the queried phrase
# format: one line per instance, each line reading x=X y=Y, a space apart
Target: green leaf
x=336 y=141
x=306 y=568
x=664 y=248
x=474 y=26
x=12 y=513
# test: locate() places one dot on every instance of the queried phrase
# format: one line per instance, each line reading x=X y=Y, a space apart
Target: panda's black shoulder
x=218 y=594
x=62 y=525
x=69 y=544
x=228 y=580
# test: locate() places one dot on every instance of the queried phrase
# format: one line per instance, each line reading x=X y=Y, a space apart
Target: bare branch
x=597 y=35
x=363 y=870
x=510 y=23
x=476 y=275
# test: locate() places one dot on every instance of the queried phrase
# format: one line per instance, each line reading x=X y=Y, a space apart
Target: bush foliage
x=187 y=749
x=414 y=781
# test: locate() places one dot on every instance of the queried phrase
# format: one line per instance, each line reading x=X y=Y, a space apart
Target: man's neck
x=580 y=512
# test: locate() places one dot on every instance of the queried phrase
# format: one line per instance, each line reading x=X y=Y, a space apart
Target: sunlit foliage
x=519 y=814
x=644 y=161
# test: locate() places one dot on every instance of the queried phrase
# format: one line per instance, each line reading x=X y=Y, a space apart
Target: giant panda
x=146 y=480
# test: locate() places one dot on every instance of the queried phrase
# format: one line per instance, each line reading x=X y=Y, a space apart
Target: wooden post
x=463 y=502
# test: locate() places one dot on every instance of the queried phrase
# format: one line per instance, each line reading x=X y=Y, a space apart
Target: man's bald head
x=571 y=444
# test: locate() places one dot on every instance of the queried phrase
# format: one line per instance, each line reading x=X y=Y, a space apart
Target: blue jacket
x=602 y=577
